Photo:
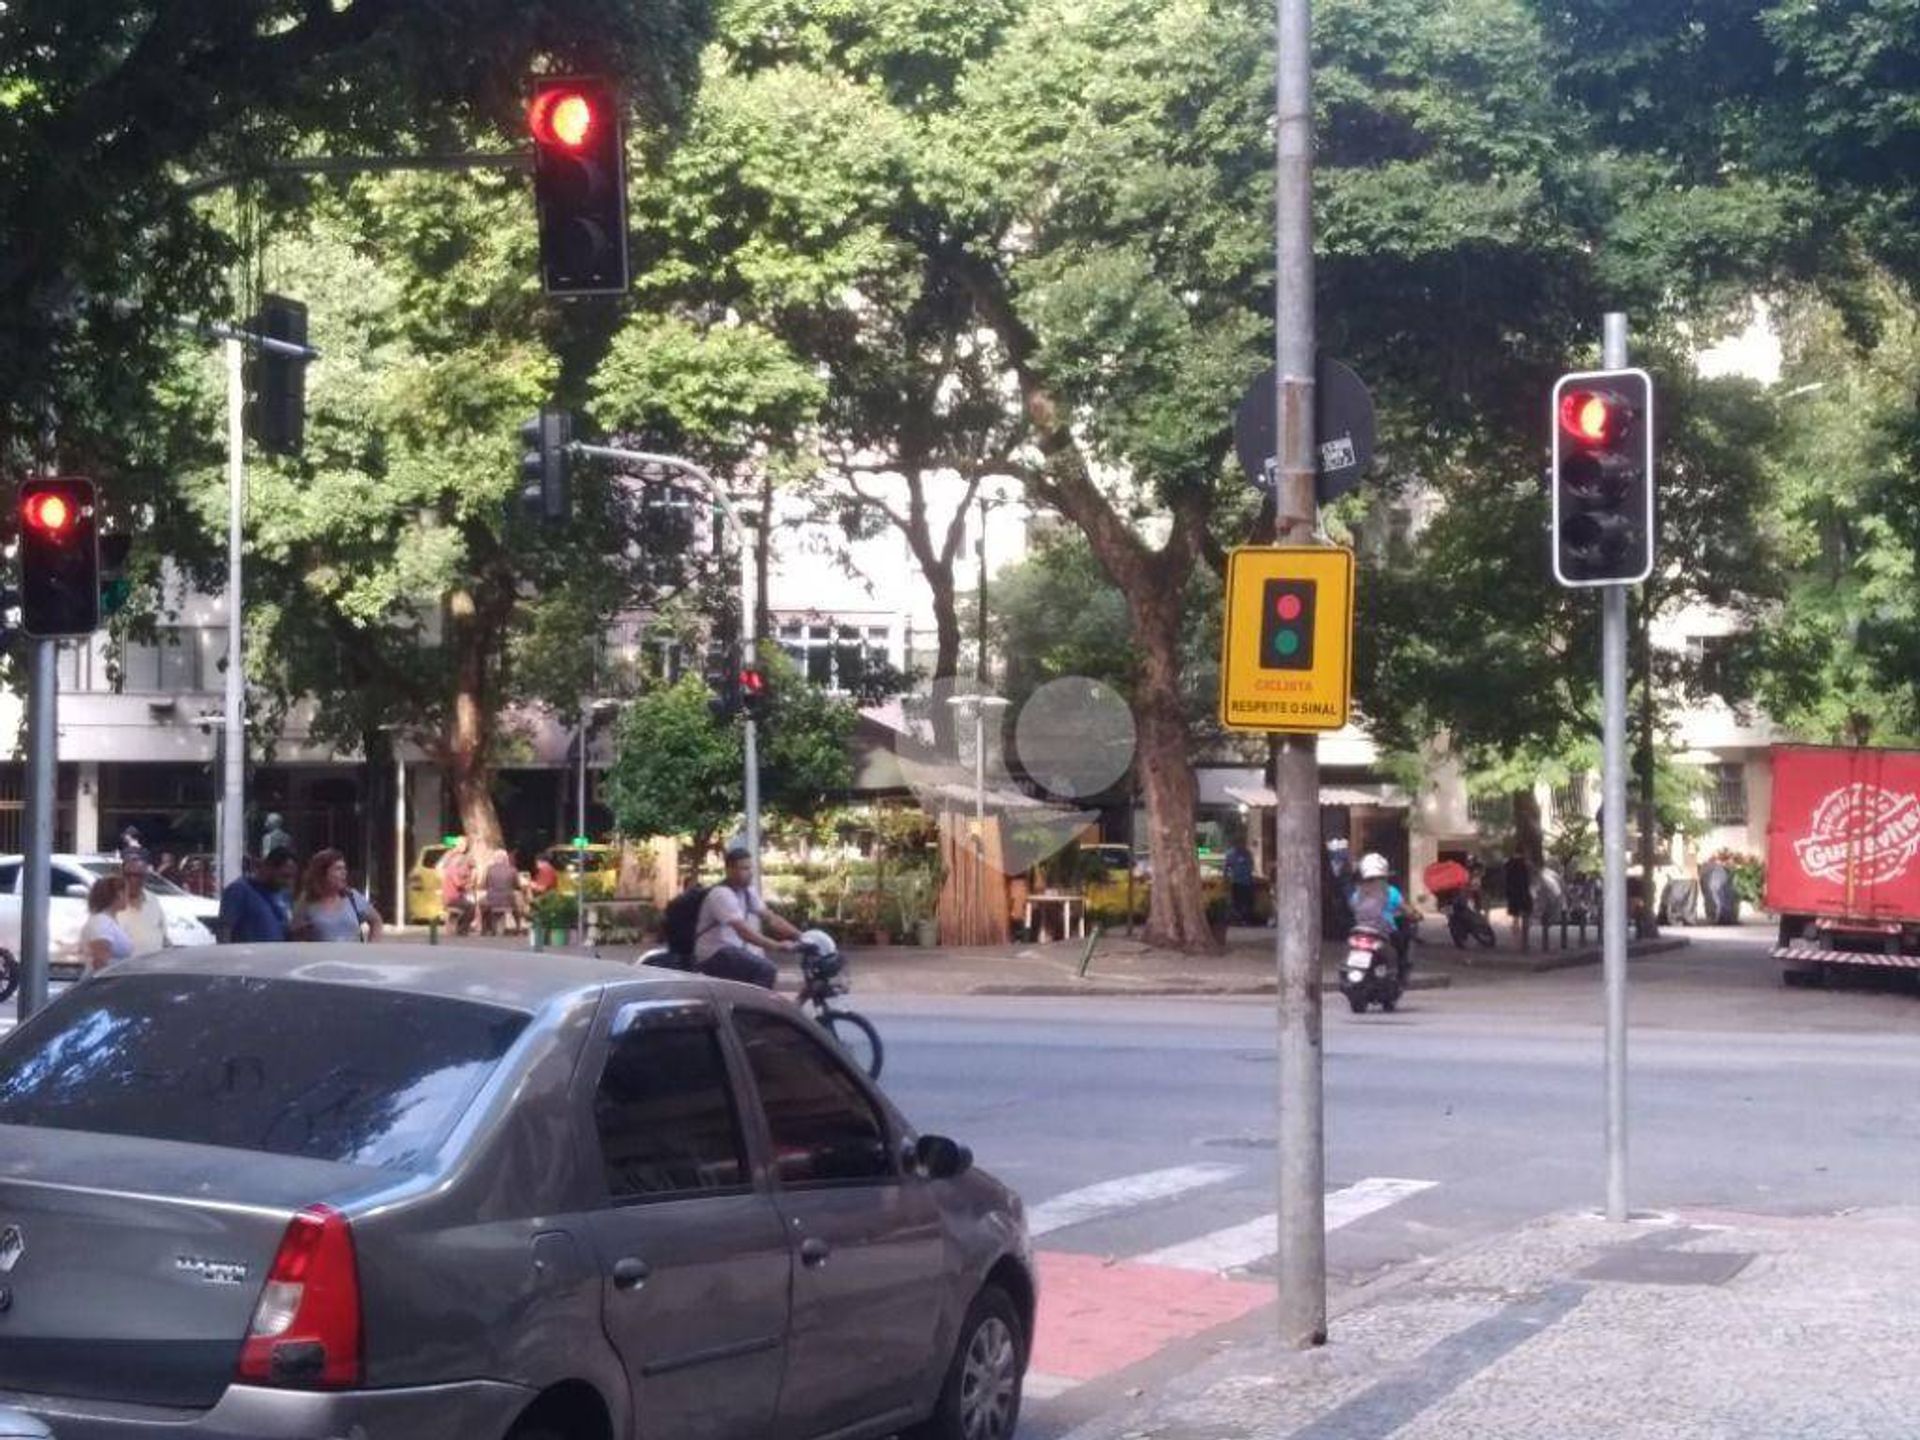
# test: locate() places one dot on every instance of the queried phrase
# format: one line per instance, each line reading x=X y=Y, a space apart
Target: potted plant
x=552 y=917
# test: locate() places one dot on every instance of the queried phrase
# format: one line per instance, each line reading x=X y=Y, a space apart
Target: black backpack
x=680 y=921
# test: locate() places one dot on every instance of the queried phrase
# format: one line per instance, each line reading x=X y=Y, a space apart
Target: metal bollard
x=433 y=932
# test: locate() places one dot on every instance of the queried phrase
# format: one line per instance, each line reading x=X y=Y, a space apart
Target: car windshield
x=329 y=1072
x=155 y=883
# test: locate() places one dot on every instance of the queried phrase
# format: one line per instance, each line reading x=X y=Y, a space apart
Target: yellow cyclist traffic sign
x=1287 y=648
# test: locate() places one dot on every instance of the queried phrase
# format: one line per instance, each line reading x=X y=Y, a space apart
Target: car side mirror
x=77 y=891
x=939 y=1158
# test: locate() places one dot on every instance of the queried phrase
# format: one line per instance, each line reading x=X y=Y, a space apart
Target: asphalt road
x=1486 y=1099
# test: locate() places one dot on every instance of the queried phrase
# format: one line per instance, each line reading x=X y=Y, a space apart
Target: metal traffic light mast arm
x=737 y=529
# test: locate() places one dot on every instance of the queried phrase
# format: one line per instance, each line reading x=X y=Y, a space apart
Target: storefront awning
x=1382 y=797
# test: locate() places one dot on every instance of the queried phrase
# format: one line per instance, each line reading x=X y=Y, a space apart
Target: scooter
x=1376 y=970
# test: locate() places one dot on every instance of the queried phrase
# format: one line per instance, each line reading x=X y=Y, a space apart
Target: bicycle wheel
x=855 y=1035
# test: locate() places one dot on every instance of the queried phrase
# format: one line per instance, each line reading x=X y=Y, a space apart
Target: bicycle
x=822 y=977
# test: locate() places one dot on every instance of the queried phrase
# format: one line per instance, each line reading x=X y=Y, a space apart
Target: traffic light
x=723 y=679
x=1286 y=625
x=59 y=559
x=756 y=695
x=276 y=384
x=544 y=479
x=1603 y=478
x=116 y=586
x=579 y=186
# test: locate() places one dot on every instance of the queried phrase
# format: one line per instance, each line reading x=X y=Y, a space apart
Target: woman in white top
x=102 y=940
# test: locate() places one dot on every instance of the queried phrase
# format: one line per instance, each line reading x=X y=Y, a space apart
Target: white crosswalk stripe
x=1238 y=1246
x=1111 y=1197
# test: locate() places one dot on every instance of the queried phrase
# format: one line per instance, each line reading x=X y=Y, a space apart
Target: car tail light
x=306 y=1328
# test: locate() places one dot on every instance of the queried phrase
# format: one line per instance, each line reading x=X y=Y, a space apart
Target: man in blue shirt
x=253 y=909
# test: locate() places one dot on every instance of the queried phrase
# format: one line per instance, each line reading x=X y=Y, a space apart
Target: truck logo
x=1865 y=829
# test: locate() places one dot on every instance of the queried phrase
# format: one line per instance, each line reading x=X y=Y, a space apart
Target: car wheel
x=981 y=1397
x=9 y=974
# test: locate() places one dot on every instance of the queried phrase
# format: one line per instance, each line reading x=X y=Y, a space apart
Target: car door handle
x=630 y=1273
x=814 y=1251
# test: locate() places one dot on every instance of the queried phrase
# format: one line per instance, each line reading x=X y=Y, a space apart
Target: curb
x=1102 y=989
x=1540 y=961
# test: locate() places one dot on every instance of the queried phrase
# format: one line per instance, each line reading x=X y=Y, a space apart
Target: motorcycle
x=822 y=978
x=1376 y=969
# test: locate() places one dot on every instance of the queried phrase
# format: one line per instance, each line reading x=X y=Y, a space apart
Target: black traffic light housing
x=1286 y=624
x=756 y=693
x=579 y=185
x=723 y=678
x=545 y=476
x=276 y=384
x=59 y=558
x=1602 y=478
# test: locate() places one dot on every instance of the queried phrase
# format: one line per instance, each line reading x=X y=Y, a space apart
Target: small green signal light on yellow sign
x=1286 y=662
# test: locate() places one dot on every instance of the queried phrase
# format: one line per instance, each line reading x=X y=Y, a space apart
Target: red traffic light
x=49 y=512
x=1592 y=417
x=562 y=115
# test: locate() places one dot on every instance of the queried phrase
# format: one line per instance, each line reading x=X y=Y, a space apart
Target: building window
x=834 y=656
x=1491 y=810
x=181 y=659
x=1727 y=794
x=1570 y=800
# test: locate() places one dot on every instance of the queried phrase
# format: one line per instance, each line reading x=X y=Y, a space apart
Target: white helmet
x=819 y=941
x=1374 y=867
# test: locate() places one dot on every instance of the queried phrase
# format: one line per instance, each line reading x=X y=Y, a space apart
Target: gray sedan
x=404 y=1193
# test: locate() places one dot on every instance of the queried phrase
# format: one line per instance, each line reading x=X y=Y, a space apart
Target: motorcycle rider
x=1378 y=903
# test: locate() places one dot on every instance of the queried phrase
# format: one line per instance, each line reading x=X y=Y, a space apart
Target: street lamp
x=592 y=710
x=979 y=704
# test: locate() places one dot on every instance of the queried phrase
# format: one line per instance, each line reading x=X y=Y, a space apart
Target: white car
x=190 y=918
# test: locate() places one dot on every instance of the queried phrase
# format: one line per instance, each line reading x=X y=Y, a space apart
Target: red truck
x=1843 y=858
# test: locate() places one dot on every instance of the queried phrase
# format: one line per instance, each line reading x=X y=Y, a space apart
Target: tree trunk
x=1176 y=910
x=1528 y=835
x=468 y=754
x=946 y=653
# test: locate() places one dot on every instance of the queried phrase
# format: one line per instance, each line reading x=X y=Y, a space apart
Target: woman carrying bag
x=328 y=907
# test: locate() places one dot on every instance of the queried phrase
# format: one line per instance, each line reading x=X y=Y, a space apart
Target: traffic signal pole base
x=36 y=893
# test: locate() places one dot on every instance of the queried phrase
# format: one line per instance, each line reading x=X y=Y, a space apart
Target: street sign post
x=1286 y=661
x=1343 y=424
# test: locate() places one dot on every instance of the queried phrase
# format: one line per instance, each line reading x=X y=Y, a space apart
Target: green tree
x=107 y=108
x=679 y=771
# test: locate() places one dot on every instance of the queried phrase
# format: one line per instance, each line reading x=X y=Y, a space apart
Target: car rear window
x=330 y=1072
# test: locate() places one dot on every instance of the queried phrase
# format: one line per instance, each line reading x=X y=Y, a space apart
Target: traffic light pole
x=233 y=784
x=1296 y=761
x=1613 y=838
x=736 y=527
x=36 y=893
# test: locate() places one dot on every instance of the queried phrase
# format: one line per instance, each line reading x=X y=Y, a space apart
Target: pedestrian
x=103 y=939
x=276 y=836
x=253 y=909
x=169 y=867
x=329 y=908
x=736 y=929
x=456 y=885
x=1238 y=865
x=139 y=912
x=546 y=879
x=500 y=894
x=1519 y=886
